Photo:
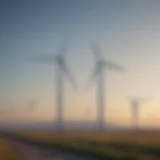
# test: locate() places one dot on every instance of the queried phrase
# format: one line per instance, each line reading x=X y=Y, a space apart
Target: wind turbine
x=31 y=104
x=135 y=104
x=88 y=114
x=100 y=67
x=61 y=70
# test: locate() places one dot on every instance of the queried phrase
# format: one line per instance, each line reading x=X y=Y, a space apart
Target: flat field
x=144 y=145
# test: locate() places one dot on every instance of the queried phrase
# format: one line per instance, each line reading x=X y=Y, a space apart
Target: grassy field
x=7 y=152
x=110 y=146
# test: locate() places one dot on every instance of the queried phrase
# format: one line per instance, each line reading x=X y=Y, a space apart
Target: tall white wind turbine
x=101 y=66
x=61 y=71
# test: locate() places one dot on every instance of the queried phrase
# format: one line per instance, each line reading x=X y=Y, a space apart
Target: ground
x=144 y=145
x=7 y=152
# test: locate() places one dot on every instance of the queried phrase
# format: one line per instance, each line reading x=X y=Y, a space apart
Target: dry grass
x=7 y=152
x=144 y=138
x=115 y=144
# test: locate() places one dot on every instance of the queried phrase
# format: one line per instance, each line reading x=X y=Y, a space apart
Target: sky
x=128 y=33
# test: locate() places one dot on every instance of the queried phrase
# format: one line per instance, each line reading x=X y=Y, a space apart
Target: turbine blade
x=44 y=59
x=61 y=52
x=68 y=74
x=113 y=66
x=52 y=58
x=96 y=51
x=94 y=75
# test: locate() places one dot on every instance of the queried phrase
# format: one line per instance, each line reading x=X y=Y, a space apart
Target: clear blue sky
x=127 y=31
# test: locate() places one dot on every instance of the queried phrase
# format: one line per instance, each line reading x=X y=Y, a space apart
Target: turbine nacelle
x=59 y=60
x=137 y=101
x=102 y=64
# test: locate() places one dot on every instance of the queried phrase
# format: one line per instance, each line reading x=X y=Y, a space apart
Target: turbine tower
x=135 y=104
x=61 y=71
x=100 y=67
x=31 y=107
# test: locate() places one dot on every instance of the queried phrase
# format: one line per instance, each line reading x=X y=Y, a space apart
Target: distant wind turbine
x=62 y=69
x=100 y=67
x=135 y=104
x=88 y=113
x=32 y=104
